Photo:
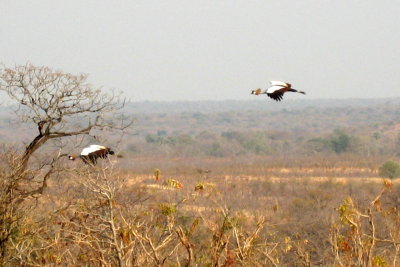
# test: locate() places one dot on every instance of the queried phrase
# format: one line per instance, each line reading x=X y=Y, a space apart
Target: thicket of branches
x=60 y=105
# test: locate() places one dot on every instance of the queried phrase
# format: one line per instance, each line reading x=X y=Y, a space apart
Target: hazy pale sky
x=201 y=50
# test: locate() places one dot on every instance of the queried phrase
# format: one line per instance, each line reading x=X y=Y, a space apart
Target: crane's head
x=256 y=92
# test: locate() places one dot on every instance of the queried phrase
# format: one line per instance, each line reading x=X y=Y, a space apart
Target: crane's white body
x=273 y=89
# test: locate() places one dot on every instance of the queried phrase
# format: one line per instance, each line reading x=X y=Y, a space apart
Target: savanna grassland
x=232 y=183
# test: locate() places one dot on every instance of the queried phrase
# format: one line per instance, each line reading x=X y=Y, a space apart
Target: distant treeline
x=235 y=128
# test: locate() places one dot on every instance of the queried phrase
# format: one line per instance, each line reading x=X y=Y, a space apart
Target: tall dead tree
x=60 y=105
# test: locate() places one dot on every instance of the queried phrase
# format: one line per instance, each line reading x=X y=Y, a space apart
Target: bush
x=390 y=169
x=341 y=142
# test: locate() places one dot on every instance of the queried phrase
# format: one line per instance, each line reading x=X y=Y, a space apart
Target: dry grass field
x=244 y=214
x=259 y=211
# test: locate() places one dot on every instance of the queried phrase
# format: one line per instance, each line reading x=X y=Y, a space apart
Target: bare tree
x=60 y=104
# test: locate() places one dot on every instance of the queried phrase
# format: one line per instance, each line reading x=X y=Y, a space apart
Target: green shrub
x=341 y=142
x=390 y=169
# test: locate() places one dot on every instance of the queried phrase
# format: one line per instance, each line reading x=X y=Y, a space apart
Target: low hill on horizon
x=262 y=103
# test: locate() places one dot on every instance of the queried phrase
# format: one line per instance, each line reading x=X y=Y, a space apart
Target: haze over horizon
x=190 y=50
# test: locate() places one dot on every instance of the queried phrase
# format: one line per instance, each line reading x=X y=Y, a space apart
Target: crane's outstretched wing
x=277 y=96
x=278 y=83
x=92 y=148
x=276 y=92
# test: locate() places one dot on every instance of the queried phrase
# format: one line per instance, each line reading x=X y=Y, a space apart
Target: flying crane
x=276 y=90
x=90 y=154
